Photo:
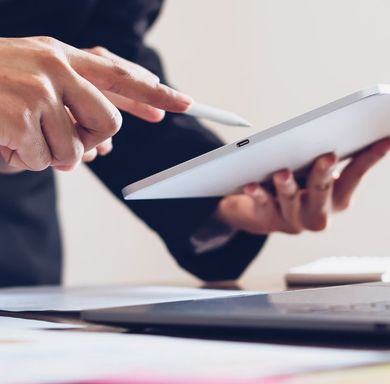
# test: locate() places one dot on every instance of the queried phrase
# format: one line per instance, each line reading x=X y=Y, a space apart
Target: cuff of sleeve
x=212 y=235
x=227 y=262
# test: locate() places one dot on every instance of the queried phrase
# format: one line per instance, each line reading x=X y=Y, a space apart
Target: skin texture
x=292 y=209
x=142 y=110
x=59 y=103
x=58 y=107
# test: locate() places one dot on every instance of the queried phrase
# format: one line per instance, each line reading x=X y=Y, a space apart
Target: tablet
x=344 y=126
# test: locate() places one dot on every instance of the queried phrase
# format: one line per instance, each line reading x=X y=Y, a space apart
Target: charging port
x=242 y=143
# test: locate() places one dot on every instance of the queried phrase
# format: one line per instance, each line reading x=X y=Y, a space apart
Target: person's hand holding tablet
x=59 y=106
x=292 y=209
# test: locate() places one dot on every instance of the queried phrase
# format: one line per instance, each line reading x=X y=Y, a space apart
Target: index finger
x=101 y=51
x=112 y=75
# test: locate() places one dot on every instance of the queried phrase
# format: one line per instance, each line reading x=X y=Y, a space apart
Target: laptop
x=362 y=308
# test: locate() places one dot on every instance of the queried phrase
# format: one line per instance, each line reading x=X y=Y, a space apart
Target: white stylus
x=215 y=114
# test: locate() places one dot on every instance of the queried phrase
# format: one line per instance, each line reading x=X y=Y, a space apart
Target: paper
x=137 y=379
x=55 y=298
x=58 y=357
x=17 y=323
x=376 y=374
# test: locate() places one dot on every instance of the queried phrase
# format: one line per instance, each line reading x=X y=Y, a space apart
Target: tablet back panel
x=343 y=126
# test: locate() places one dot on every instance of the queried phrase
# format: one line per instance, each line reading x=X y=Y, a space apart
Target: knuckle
x=158 y=93
x=29 y=140
x=24 y=122
x=119 y=75
x=99 y=50
x=52 y=59
x=26 y=118
x=119 y=70
x=44 y=163
x=114 y=122
x=230 y=204
x=43 y=91
x=74 y=154
x=48 y=40
x=290 y=196
x=43 y=156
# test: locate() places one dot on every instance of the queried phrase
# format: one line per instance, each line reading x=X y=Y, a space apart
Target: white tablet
x=344 y=126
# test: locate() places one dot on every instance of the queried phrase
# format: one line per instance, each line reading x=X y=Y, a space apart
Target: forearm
x=141 y=149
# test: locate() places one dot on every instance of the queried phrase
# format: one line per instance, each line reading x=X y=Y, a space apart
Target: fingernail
x=328 y=161
x=250 y=189
x=184 y=99
x=181 y=100
x=283 y=177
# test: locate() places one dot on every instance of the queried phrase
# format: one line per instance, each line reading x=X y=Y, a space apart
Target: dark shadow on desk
x=346 y=340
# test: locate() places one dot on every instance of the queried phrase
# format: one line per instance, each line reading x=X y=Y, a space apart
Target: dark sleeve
x=141 y=149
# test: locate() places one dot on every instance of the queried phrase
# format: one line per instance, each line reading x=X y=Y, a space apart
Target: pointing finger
x=111 y=75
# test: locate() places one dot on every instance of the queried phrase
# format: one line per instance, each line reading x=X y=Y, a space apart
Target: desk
x=265 y=283
x=89 y=296
x=271 y=283
x=275 y=284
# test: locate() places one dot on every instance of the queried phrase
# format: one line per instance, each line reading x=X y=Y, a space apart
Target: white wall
x=267 y=60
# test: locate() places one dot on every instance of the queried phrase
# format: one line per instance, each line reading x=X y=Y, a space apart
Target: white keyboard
x=341 y=270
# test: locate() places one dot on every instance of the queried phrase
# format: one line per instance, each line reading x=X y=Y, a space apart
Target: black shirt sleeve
x=33 y=256
x=141 y=149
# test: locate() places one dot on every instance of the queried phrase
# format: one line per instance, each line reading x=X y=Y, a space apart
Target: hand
x=291 y=209
x=142 y=110
x=44 y=83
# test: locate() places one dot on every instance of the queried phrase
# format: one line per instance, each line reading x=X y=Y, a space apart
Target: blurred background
x=267 y=60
